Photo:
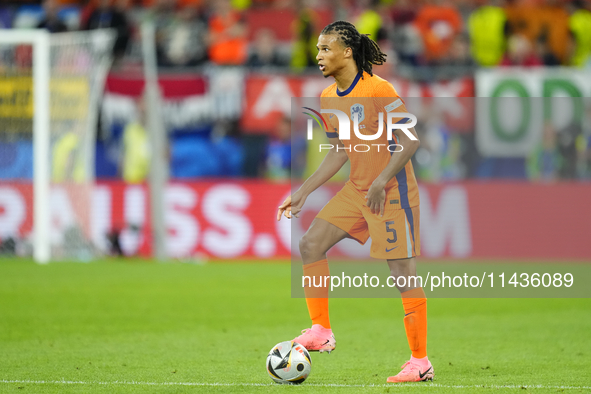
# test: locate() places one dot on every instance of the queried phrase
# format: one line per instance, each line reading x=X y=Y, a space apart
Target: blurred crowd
x=426 y=40
x=283 y=33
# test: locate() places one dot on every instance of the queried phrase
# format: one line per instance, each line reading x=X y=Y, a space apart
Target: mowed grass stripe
x=419 y=385
x=138 y=321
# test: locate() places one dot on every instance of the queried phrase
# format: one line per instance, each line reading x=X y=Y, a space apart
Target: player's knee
x=309 y=245
x=305 y=244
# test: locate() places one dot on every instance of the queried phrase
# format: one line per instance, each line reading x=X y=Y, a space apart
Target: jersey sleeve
x=387 y=100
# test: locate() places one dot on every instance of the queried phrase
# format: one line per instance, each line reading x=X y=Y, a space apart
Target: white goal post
x=39 y=41
x=63 y=62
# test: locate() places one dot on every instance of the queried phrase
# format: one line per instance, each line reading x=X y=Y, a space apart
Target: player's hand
x=376 y=199
x=291 y=206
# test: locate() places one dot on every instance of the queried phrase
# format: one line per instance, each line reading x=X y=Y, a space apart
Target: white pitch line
x=415 y=385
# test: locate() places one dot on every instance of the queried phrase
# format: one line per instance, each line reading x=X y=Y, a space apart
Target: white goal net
x=50 y=87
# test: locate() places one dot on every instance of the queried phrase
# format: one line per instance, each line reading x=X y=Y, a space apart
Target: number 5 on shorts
x=391 y=230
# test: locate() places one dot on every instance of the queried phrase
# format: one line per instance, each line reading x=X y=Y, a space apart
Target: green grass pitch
x=135 y=326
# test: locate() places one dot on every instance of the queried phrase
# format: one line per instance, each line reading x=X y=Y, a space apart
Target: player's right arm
x=332 y=163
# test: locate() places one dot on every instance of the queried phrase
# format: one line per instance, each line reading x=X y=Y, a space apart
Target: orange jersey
x=367 y=97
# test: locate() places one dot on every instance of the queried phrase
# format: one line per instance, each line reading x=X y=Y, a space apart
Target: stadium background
x=131 y=325
x=228 y=73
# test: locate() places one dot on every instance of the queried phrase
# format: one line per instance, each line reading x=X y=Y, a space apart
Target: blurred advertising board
x=237 y=219
x=259 y=100
x=69 y=101
x=518 y=104
x=189 y=100
x=268 y=97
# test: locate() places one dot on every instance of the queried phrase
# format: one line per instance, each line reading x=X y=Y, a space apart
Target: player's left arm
x=376 y=195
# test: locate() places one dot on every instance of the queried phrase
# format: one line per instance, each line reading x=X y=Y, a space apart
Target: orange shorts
x=393 y=236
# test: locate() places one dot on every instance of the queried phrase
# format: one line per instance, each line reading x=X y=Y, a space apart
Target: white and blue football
x=289 y=363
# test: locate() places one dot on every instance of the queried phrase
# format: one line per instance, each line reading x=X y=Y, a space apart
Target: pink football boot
x=317 y=339
x=415 y=370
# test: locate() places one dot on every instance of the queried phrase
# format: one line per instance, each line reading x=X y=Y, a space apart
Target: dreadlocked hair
x=366 y=51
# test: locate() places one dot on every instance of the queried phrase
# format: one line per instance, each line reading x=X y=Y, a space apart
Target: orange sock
x=415 y=321
x=317 y=294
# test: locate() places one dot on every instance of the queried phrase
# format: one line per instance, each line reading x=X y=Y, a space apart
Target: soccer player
x=380 y=199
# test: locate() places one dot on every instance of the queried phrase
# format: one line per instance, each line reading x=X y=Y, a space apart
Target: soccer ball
x=289 y=363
